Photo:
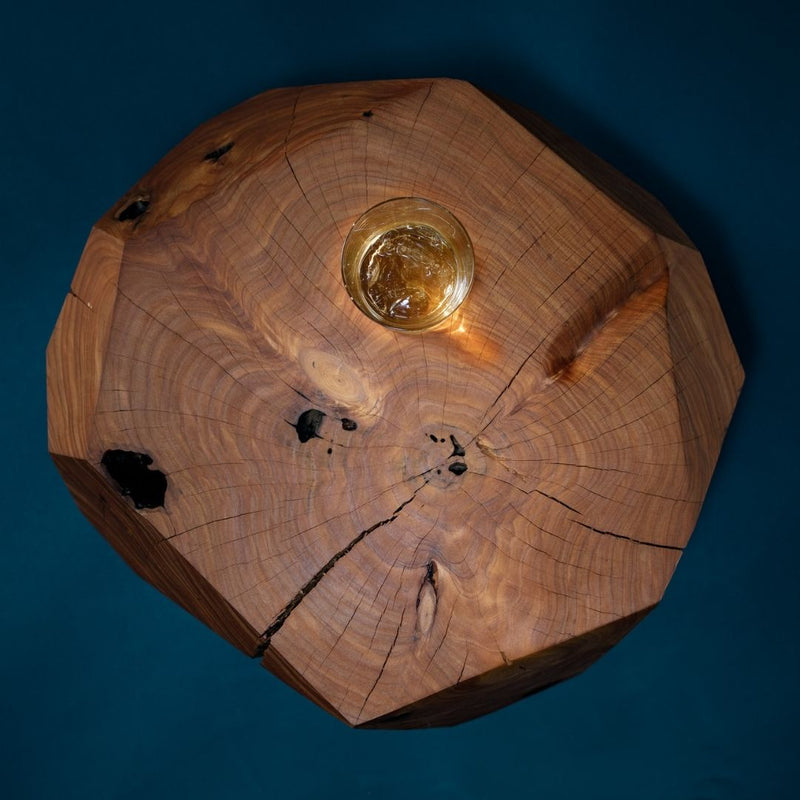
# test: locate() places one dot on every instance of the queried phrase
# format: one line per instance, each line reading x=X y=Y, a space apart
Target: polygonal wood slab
x=412 y=529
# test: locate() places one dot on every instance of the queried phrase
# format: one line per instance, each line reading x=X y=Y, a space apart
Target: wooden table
x=409 y=528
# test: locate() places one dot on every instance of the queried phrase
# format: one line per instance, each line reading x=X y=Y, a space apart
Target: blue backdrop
x=108 y=690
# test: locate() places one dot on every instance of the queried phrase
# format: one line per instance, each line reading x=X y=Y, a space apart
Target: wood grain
x=462 y=516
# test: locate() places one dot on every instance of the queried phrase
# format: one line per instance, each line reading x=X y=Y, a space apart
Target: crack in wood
x=463 y=667
x=280 y=620
x=385 y=662
x=556 y=500
x=88 y=305
x=286 y=147
x=628 y=538
x=216 y=155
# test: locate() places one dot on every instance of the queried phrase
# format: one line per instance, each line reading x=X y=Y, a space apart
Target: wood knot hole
x=134 y=210
x=458 y=450
x=146 y=487
x=308 y=424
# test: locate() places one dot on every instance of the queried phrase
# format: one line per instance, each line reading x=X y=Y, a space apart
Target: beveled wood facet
x=410 y=529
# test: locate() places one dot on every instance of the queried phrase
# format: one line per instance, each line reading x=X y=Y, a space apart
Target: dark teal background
x=107 y=690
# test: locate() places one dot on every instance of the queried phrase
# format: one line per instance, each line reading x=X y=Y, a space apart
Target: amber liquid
x=407 y=263
x=408 y=272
